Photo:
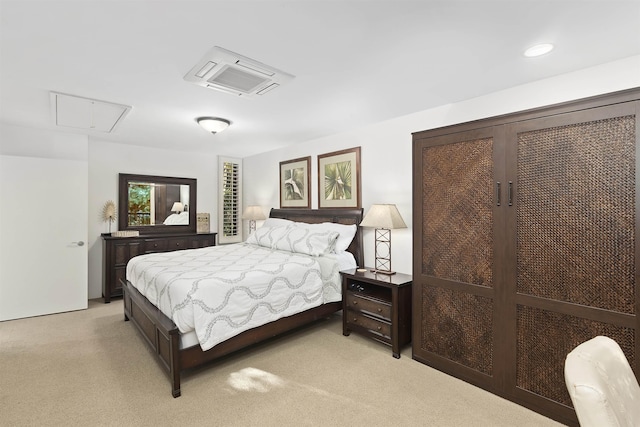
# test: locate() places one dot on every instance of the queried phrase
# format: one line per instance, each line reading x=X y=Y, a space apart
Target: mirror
x=157 y=204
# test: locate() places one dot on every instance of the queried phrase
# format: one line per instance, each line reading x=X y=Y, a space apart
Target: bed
x=177 y=351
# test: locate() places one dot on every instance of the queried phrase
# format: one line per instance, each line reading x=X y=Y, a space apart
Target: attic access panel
x=229 y=72
x=86 y=113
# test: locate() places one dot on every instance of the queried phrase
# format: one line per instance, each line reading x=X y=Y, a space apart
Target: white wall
x=386 y=156
x=29 y=142
x=107 y=160
x=386 y=164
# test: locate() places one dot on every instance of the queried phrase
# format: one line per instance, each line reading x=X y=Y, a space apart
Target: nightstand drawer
x=376 y=326
x=362 y=302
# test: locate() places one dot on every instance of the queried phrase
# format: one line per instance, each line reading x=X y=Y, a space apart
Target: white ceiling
x=355 y=62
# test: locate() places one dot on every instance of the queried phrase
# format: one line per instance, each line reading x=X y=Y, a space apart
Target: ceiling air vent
x=229 y=72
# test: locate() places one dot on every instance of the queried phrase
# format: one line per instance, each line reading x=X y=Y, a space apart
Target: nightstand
x=377 y=306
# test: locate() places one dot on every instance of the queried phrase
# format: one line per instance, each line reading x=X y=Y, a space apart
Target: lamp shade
x=213 y=124
x=177 y=207
x=383 y=216
x=253 y=213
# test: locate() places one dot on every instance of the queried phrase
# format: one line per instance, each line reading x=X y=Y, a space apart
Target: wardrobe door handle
x=510 y=193
x=498 y=193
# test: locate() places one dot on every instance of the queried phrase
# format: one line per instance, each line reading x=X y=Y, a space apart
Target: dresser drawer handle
x=355 y=319
x=379 y=328
x=155 y=245
x=379 y=310
x=177 y=244
x=355 y=302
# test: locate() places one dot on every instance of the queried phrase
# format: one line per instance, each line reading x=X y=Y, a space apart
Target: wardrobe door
x=573 y=275
x=455 y=208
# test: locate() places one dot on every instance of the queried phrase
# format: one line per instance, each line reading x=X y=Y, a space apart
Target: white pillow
x=276 y=222
x=295 y=239
x=346 y=232
x=305 y=241
x=266 y=236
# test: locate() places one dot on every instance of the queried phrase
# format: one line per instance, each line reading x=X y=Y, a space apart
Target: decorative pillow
x=304 y=241
x=346 y=232
x=276 y=222
x=267 y=236
x=295 y=239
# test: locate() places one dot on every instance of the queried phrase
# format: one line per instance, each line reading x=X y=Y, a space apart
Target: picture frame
x=339 y=179
x=295 y=176
x=202 y=224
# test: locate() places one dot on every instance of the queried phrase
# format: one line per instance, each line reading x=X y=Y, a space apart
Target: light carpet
x=91 y=368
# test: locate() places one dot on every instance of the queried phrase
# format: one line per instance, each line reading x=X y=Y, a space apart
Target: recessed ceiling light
x=539 y=49
x=213 y=124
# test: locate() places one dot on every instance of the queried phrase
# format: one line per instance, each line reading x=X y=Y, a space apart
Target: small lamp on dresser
x=253 y=214
x=383 y=218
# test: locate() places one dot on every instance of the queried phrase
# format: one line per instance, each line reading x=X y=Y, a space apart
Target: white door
x=43 y=236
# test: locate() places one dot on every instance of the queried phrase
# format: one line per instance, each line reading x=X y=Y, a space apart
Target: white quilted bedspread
x=221 y=291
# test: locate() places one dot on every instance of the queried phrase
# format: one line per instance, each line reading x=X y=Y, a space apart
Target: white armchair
x=602 y=386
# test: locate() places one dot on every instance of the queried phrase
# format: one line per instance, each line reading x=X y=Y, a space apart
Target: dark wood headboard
x=340 y=216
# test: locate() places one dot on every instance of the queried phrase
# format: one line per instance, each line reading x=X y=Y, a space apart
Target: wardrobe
x=524 y=245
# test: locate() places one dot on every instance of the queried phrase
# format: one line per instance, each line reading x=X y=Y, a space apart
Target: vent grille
x=229 y=72
x=236 y=79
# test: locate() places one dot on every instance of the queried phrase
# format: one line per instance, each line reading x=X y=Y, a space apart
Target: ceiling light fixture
x=539 y=49
x=213 y=124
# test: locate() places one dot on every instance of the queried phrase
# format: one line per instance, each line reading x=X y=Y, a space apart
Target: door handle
x=80 y=243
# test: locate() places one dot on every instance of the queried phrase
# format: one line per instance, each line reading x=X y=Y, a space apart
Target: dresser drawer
x=202 y=241
x=363 y=302
x=177 y=244
x=376 y=326
x=164 y=245
x=155 y=245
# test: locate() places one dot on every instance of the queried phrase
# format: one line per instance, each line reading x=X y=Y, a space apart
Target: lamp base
x=388 y=273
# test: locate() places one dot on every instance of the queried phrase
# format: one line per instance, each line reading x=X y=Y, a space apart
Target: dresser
x=377 y=306
x=117 y=251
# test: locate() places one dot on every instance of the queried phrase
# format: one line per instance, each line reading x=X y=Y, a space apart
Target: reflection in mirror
x=155 y=203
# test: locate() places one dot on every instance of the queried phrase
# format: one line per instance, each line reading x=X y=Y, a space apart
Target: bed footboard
x=161 y=334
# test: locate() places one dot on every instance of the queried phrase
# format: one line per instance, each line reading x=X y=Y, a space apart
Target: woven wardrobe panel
x=544 y=340
x=576 y=213
x=458 y=327
x=457 y=240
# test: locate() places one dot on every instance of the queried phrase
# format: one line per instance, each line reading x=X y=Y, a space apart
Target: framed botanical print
x=339 y=179
x=294 y=183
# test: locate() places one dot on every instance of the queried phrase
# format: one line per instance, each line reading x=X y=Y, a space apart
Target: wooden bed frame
x=164 y=337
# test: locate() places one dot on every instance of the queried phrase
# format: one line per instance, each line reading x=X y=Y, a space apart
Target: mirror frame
x=123 y=197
